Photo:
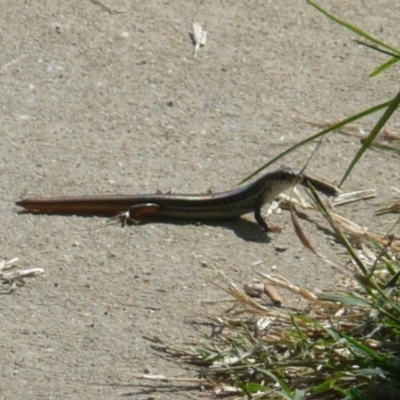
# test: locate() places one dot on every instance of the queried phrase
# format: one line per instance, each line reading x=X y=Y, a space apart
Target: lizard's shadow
x=247 y=230
x=243 y=228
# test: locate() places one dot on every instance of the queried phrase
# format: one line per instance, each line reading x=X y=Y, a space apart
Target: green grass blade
x=299 y=394
x=310 y=139
x=363 y=348
x=302 y=336
x=341 y=236
x=352 y=28
x=279 y=381
x=327 y=385
x=348 y=300
x=383 y=67
x=393 y=105
x=376 y=48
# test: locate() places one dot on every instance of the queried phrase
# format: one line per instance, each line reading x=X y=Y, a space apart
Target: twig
x=108 y=8
x=164 y=378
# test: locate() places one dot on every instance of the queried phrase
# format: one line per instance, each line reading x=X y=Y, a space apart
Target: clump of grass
x=340 y=345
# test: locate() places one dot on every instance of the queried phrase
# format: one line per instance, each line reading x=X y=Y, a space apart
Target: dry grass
x=338 y=345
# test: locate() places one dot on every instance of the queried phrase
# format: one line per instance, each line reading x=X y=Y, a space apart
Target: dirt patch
x=94 y=102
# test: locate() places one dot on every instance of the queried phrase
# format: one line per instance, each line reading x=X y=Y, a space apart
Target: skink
x=229 y=204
